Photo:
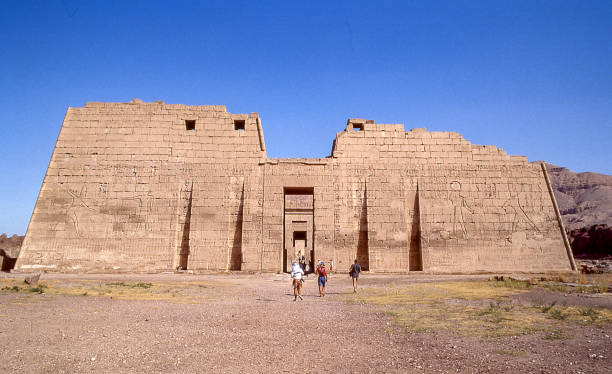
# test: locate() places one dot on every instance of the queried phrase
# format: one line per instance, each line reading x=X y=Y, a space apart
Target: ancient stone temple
x=144 y=187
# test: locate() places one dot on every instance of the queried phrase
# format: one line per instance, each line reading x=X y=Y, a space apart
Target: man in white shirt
x=297 y=275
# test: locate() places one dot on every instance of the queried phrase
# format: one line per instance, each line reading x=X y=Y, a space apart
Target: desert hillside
x=10 y=245
x=9 y=250
x=585 y=199
x=585 y=202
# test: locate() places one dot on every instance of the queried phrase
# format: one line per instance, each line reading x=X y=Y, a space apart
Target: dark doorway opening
x=299 y=236
x=298 y=226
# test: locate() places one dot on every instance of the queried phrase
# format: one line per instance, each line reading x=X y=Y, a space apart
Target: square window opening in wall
x=357 y=126
x=190 y=124
x=239 y=124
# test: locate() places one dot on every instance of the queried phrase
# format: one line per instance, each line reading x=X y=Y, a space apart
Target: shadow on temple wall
x=363 y=256
x=236 y=254
x=415 y=257
x=184 y=254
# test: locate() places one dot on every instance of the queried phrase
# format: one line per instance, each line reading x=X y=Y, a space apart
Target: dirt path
x=250 y=323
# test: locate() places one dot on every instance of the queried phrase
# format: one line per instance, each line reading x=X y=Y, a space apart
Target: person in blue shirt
x=354 y=273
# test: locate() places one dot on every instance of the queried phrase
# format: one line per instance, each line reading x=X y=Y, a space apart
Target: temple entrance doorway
x=298 y=238
x=299 y=241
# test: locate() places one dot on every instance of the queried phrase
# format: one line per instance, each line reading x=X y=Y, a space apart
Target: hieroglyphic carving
x=298 y=201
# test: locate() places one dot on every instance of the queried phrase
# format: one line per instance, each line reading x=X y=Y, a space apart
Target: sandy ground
x=250 y=324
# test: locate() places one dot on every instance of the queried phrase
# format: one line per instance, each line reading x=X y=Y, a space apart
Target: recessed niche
x=239 y=124
x=190 y=124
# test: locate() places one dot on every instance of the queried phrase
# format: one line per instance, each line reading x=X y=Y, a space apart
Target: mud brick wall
x=143 y=187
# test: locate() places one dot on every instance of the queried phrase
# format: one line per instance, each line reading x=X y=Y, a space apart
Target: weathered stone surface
x=149 y=187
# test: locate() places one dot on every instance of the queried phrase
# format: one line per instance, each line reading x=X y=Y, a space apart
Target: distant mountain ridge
x=585 y=203
x=584 y=199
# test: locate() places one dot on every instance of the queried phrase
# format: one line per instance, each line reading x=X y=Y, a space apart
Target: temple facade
x=147 y=187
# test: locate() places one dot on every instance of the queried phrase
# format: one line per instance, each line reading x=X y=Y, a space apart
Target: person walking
x=297 y=276
x=354 y=271
x=322 y=278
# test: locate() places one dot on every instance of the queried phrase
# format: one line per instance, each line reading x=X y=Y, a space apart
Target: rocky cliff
x=585 y=199
x=9 y=250
x=10 y=245
x=585 y=202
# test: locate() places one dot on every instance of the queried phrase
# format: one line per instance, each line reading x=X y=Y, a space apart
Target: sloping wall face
x=144 y=187
x=434 y=198
x=149 y=187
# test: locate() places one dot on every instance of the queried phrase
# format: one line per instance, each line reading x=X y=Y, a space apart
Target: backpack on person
x=322 y=272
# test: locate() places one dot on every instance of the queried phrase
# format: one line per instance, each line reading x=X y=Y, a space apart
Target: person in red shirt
x=322 y=278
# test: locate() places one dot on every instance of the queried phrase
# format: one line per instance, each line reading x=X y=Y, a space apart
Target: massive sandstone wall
x=129 y=188
x=463 y=207
x=128 y=185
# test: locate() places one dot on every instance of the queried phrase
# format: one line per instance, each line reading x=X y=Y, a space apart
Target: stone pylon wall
x=457 y=206
x=131 y=187
x=121 y=178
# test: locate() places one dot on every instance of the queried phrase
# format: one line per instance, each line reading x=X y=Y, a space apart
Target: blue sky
x=532 y=77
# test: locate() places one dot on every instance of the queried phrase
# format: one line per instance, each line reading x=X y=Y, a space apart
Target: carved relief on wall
x=299 y=201
x=75 y=209
x=100 y=214
x=519 y=220
x=462 y=212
